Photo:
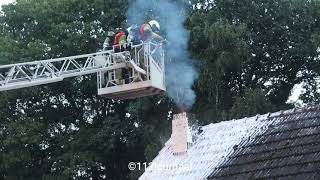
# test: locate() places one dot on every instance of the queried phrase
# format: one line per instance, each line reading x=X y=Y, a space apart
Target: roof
x=213 y=144
x=290 y=148
x=284 y=144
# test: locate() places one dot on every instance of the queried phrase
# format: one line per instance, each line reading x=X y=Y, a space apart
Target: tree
x=63 y=130
x=253 y=102
x=250 y=54
x=273 y=43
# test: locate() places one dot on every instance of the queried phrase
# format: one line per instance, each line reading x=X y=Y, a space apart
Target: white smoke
x=180 y=71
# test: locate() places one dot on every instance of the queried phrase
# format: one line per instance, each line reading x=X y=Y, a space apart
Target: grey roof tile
x=288 y=149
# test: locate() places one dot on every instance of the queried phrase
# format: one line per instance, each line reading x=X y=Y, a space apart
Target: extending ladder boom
x=133 y=72
x=15 y=76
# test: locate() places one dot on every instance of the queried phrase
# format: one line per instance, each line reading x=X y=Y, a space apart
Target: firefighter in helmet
x=120 y=41
x=150 y=31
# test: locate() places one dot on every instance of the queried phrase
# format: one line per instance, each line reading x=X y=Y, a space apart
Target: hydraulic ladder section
x=104 y=63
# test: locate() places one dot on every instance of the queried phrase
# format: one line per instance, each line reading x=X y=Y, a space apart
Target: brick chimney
x=182 y=136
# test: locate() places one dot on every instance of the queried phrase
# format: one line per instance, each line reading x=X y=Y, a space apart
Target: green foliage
x=223 y=58
x=269 y=45
x=250 y=54
x=254 y=101
x=63 y=130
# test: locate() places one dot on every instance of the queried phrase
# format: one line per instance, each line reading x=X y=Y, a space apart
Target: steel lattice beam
x=28 y=74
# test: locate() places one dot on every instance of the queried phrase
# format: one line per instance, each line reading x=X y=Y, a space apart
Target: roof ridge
x=296 y=110
x=292 y=111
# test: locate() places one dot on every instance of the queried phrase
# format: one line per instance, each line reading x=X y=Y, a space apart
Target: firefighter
x=121 y=44
x=150 y=31
x=134 y=36
x=107 y=45
x=120 y=41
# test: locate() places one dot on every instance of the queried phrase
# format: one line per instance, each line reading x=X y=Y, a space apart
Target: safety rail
x=143 y=76
x=141 y=56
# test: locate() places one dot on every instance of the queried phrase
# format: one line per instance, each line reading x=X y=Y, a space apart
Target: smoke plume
x=180 y=71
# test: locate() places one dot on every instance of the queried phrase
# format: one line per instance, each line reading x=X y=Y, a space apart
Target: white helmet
x=154 y=25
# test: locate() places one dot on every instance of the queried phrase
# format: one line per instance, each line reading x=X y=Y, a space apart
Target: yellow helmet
x=154 y=25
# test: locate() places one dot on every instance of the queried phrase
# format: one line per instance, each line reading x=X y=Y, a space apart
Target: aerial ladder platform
x=134 y=72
